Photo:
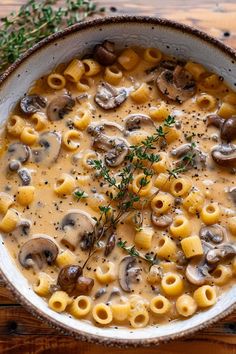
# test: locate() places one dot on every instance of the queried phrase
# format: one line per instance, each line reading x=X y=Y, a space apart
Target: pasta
x=116 y=189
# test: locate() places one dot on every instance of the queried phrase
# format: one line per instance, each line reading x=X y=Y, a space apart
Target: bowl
x=170 y=37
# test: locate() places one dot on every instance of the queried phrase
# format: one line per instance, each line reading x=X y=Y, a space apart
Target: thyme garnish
x=140 y=158
x=132 y=251
x=37 y=20
x=79 y=194
x=187 y=161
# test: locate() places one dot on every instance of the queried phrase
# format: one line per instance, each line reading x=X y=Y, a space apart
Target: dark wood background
x=20 y=333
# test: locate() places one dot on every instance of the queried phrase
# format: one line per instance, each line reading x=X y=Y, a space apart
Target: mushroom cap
x=40 y=251
x=109 y=97
x=178 y=85
x=84 y=285
x=32 y=103
x=59 y=107
x=228 y=129
x=50 y=143
x=126 y=264
x=136 y=121
x=213 y=233
x=162 y=221
x=104 y=53
x=19 y=152
x=68 y=276
x=118 y=153
x=221 y=252
x=78 y=227
x=224 y=155
x=197 y=271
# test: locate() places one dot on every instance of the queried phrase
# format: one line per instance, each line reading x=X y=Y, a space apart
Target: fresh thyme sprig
x=187 y=161
x=37 y=20
x=79 y=194
x=132 y=251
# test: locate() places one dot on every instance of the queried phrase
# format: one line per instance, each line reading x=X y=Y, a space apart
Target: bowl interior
x=171 y=39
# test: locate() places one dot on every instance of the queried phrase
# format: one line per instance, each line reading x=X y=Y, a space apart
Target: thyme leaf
x=132 y=251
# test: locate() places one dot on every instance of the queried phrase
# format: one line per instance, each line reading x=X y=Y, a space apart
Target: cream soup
x=118 y=187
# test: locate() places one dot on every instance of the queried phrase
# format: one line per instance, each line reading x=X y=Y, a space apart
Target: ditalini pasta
x=117 y=191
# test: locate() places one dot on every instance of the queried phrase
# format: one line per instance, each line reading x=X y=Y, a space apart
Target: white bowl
x=171 y=38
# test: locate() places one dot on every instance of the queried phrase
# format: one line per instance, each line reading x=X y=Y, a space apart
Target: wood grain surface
x=20 y=333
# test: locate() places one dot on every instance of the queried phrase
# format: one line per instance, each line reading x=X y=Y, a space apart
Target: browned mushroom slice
x=197 y=271
x=138 y=121
x=127 y=273
x=104 y=53
x=84 y=285
x=78 y=228
x=198 y=158
x=162 y=221
x=50 y=143
x=228 y=129
x=109 y=97
x=213 y=233
x=39 y=251
x=32 y=103
x=178 y=85
x=215 y=120
x=226 y=250
x=224 y=155
x=59 y=107
x=68 y=277
x=181 y=150
x=18 y=152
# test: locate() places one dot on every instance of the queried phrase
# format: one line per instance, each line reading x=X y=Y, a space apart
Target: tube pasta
x=192 y=246
x=185 y=305
x=194 y=202
x=161 y=203
x=9 y=221
x=120 y=312
x=230 y=98
x=102 y=314
x=113 y=75
x=64 y=185
x=205 y=296
x=91 y=67
x=25 y=195
x=71 y=139
x=66 y=258
x=87 y=158
x=163 y=164
x=139 y=318
x=6 y=200
x=206 y=102
x=42 y=285
x=221 y=275
x=141 y=95
x=181 y=227
x=15 y=125
x=172 y=284
x=195 y=69
x=29 y=136
x=143 y=238
x=160 y=112
x=152 y=55
x=74 y=71
x=160 y=305
x=171 y=134
x=84 y=84
x=56 y=81
x=139 y=186
x=80 y=306
x=180 y=187
x=128 y=59
x=211 y=82
x=210 y=213
x=226 y=110
x=39 y=120
x=163 y=182
x=166 y=248
x=59 y=301
x=83 y=120
x=107 y=274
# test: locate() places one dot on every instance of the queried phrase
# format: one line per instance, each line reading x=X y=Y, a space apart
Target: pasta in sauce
x=118 y=187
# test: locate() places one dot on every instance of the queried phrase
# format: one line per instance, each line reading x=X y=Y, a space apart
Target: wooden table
x=20 y=333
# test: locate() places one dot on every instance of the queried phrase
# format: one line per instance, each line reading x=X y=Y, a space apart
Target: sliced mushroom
x=221 y=252
x=84 y=285
x=181 y=150
x=215 y=120
x=197 y=271
x=126 y=264
x=19 y=152
x=111 y=242
x=25 y=176
x=224 y=155
x=39 y=251
x=32 y=103
x=198 y=158
x=178 y=85
x=24 y=226
x=232 y=193
x=59 y=107
x=115 y=292
x=100 y=293
x=14 y=165
x=213 y=233
x=78 y=228
x=109 y=97
x=104 y=53
x=228 y=129
x=105 y=127
x=68 y=277
x=161 y=221
x=138 y=121
x=50 y=143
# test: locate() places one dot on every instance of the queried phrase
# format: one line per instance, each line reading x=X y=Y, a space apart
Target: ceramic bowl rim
x=88 y=337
